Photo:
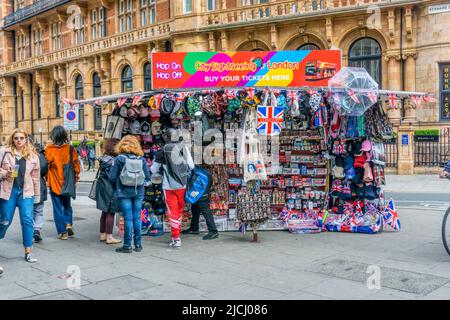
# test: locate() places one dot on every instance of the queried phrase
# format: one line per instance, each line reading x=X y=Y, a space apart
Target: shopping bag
x=114 y=126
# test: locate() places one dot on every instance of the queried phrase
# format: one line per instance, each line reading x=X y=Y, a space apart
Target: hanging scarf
x=361 y=126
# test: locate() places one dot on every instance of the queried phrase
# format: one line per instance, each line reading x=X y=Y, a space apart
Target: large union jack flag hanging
x=270 y=120
x=391 y=216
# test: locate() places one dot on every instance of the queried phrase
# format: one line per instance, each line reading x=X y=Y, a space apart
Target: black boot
x=211 y=235
x=37 y=236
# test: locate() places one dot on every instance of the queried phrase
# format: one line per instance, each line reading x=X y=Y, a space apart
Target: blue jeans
x=131 y=208
x=62 y=212
x=8 y=208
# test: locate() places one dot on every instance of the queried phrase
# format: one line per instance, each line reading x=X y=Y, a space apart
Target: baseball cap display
x=145 y=128
x=156 y=128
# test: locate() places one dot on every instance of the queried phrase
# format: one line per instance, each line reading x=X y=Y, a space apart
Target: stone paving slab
x=58 y=295
x=245 y=291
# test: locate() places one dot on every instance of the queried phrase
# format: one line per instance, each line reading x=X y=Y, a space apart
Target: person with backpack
x=198 y=194
x=175 y=161
x=104 y=193
x=128 y=176
x=20 y=187
x=58 y=154
x=91 y=157
x=39 y=207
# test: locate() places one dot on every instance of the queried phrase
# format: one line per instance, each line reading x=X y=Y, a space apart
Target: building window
x=56 y=36
x=81 y=117
x=39 y=105
x=127 y=79
x=444 y=90
x=125 y=15
x=211 y=5
x=129 y=15
x=147 y=76
x=308 y=46
x=37 y=41
x=57 y=102
x=148 y=12
x=187 y=6
x=168 y=46
x=22 y=46
x=366 y=53
x=97 y=118
x=97 y=87
x=94 y=24
x=79 y=31
x=78 y=87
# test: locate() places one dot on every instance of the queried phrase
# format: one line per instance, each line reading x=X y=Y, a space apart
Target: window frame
x=79 y=87
x=213 y=3
x=185 y=2
x=372 y=57
x=57 y=101
x=39 y=102
x=147 y=76
x=125 y=81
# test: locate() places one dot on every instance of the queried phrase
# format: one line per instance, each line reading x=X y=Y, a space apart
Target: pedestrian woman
x=58 y=154
x=39 y=207
x=20 y=187
x=104 y=193
x=128 y=176
x=91 y=158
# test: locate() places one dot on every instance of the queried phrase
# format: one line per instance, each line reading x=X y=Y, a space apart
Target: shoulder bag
x=68 y=188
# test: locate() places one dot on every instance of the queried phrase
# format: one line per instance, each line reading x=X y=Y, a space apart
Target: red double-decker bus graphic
x=318 y=70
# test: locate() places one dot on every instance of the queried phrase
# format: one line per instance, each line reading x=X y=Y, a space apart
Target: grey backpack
x=132 y=174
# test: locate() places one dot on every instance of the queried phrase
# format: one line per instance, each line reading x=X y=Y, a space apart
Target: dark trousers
x=107 y=222
x=202 y=207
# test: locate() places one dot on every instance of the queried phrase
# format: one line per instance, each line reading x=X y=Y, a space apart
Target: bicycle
x=446 y=231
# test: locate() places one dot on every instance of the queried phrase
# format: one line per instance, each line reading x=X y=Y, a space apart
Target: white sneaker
x=29 y=258
x=175 y=243
x=1 y=270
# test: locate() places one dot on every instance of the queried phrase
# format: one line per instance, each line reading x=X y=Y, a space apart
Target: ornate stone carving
x=391 y=25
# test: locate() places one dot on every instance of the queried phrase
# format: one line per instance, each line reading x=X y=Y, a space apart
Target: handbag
x=93 y=192
x=68 y=188
x=253 y=208
x=114 y=126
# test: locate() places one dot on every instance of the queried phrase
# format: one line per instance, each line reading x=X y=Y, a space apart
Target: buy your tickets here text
x=173 y=70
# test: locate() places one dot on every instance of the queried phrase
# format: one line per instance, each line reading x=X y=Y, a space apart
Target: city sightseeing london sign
x=244 y=68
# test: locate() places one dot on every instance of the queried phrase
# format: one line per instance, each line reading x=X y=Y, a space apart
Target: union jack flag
x=230 y=94
x=352 y=95
x=426 y=98
x=392 y=100
x=136 y=99
x=180 y=96
x=373 y=97
x=251 y=92
x=416 y=101
x=270 y=120
x=391 y=216
x=311 y=92
x=121 y=101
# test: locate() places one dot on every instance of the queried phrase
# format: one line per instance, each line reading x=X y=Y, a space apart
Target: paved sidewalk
x=417 y=184
x=88 y=176
x=413 y=264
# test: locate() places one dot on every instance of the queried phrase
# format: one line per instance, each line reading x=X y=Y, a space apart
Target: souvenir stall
x=308 y=156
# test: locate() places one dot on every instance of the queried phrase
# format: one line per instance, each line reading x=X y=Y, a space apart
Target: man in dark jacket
x=39 y=207
x=202 y=206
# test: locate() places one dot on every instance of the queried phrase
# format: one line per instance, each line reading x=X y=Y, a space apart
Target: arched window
x=79 y=87
x=97 y=87
x=97 y=92
x=147 y=76
x=366 y=53
x=308 y=46
x=79 y=96
x=57 y=101
x=127 y=79
x=22 y=106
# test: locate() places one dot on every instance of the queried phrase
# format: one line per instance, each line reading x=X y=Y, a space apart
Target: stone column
x=7 y=108
x=410 y=85
x=211 y=42
x=394 y=84
x=224 y=40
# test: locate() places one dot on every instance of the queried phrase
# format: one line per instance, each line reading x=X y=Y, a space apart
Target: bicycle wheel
x=446 y=231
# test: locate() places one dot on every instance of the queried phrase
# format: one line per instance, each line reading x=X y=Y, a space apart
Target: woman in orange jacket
x=58 y=154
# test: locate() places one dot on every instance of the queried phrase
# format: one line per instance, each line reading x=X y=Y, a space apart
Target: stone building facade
x=81 y=49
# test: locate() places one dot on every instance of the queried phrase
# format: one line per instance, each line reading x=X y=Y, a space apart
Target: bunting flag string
x=415 y=99
x=98 y=102
x=373 y=97
x=426 y=98
x=136 y=100
x=392 y=98
x=121 y=101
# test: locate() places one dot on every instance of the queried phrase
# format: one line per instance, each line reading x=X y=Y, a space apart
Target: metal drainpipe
x=31 y=105
x=16 y=107
x=402 y=65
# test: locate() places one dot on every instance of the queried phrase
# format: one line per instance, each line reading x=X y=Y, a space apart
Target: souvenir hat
x=156 y=128
x=123 y=111
x=366 y=146
x=145 y=128
x=167 y=105
x=135 y=127
x=147 y=137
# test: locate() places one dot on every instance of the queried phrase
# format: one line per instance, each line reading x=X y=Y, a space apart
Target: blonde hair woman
x=129 y=191
x=20 y=187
